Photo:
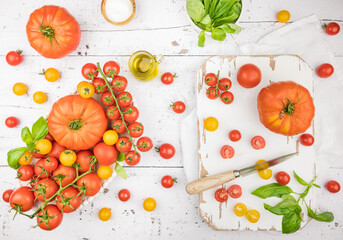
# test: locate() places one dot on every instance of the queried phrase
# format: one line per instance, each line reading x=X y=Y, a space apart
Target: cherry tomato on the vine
x=112 y=113
x=7 y=194
x=131 y=114
x=132 y=158
x=124 y=99
x=50 y=163
x=282 y=178
x=332 y=28
x=227 y=97
x=224 y=84
x=168 y=181
x=40 y=171
x=325 y=70
x=89 y=71
x=306 y=139
x=123 y=144
x=69 y=200
x=99 y=85
x=119 y=83
x=149 y=204
x=22 y=199
x=11 y=122
x=178 y=107
x=119 y=126
x=166 y=150
x=168 y=78
x=227 y=152
x=104 y=214
x=85 y=159
x=240 y=209
x=212 y=93
x=107 y=99
x=333 y=186
x=235 y=191
x=24 y=173
x=211 y=79
x=124 y=195
x=111 y=69
x=258 y=142
x=89 y=185
x=136 y=129
x=45 y=188
x=234 y=135
x=221 y=195
x=144 y=144
x=68 y=174
x=14 y=58
x=50 y=218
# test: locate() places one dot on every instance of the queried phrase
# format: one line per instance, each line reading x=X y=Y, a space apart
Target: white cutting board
x=242 y=114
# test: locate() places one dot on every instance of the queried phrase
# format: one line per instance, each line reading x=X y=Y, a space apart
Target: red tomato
x=33 y=181
x=40 y=171
x=37 y=155
x=89 y=71
x=124 y=99
x=306 y=139
x=70 y=200
x=234 y=135
x=325 y=70
x=136 y=129
x=123 y=144
x=50 y=218
x=227 y=97
x=22 y=199
x=221 y=195
x=124 y=195
x=6 y=195
x=49 y=137
x=258 y=142
x=168 y=78
x=112 y=113
x=224 y=84
x=14 y=58
x=11 y=122
x=282 y=178
x=85 y=159
x=50 y=163
x=111 y=69
x=144 y=144
x=107 y=99
x=131 y=114
x=119 y=83
x=106 y=154
x=332 y=28
x=166 y=151
x=89 y=184
x=25 y=172
x=212 y=93
x=119 y=126
x=132 y=158
x=68 y=174
x=227 y=152
x=99 y=85
x=249 y=76
x=333 y=186
x=211 y=79
x=235 y=191
x=167 y=181
x=56 y=150
x=178 y=107
x=45 y=189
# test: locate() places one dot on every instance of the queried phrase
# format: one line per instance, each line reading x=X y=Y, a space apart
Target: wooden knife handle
x=205 y=183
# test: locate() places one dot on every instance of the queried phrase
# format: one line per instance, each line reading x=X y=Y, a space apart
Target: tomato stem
x=75 y=124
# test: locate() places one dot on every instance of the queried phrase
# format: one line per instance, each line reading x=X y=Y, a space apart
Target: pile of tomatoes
x=216 y=85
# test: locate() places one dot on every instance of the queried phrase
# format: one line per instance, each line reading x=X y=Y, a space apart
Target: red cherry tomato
x=325 y=70
x=25 y=172
x=234 y=135
x=50 y=218
x=23 y=199
x=99 y=85
x=107 y=99
x=119 y=83
x=332 y=28
x=7 y=194
x=89 y=185
x=11 y=122
x=111 y=69
x=123 y=144
x=333 y=186
x=131 y=114
x=166 y=151
x=306 y=139
x=258 y=142
x=119 y=126
x=40 y=171
x=136 y=129
x=227 y=152
x=144 y=144
x=221 y=195
x=212 y=93
x=249 y=76
x=167 y=78
x=167 y=181
x=112 y=113
x=211 y=79
x=224 y=84
x=227 y=97
x=132 y=158
x=124 y=99
x=50 y=163
x=282 y=178
x=89 y=71
x=14 y=58
x=235 y=191
x=124 y=195
x=178 y=107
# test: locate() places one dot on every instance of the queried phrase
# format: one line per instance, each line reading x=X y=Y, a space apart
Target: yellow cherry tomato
x=67 y=157
x=104 y=214
x=19 y=89
x=39 y=97
x=43 y=146
x=51 y=74
x=104 y=172
x=211 y=124
x=149 y=204
x=110 y=137
x=240 y=209
x=85 y=89
x=283 y=16
x=26 y=158
x=253 y=216
x=263 y=171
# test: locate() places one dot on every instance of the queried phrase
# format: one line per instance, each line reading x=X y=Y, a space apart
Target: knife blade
x=206 y=183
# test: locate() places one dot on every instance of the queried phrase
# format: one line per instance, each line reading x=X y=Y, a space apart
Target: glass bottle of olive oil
x=143 y=65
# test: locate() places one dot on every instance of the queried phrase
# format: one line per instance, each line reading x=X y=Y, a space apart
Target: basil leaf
x=213 y=8
x=284 y=207
x=237 y=29
x=206 y=20
x=26 y=135
x=272 y=190
x=120 y=171
x=207 y=4
x=291 y=222
x=40 y=129
x=31 y=146
x=14 y=155
x=322 y=217
x=121 y=157
x=299 y=179
x=195 y=10
x=201 y=39
x=226 y=28
x=223 y=7
x=218 y=34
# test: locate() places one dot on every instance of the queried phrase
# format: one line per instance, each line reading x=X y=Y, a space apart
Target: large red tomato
x=22 y=199
x=285 y=108
x=53 y=32
x=77 y=123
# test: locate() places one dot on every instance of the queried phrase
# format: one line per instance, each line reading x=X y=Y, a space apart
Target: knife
x=206 y=183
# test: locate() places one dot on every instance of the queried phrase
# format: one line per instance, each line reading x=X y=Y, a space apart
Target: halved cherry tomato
x=265 y=173
x=325 y=70
x=234 y=135
x=282 y=178
x=221 y=195
x=123 y=144
x=144 y=144
x=253 y=216
x=306 y=139
x=224 y=84
x=136 y=129
x=240 y=209
x=89 y=71
x=166 y=150
x=112 y=113
x=24 y=173
x=332 y=28
x=178 y=107
x=99 y=85
x=131 y=114
x=107 y=99
x=124 y=195
x=119 y=126
x=258 y=142
x=119 y=83
x=212 y=93
x=333 y=186
x=211 y=79
x=168 y=78
x=11 y=122
x=132 y=158
x=111 y=69
x=227 y=152
x=227 y=97
x=124 y=99
x=235 y=191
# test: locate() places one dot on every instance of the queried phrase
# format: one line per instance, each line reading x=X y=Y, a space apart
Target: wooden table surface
x=160 y=27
